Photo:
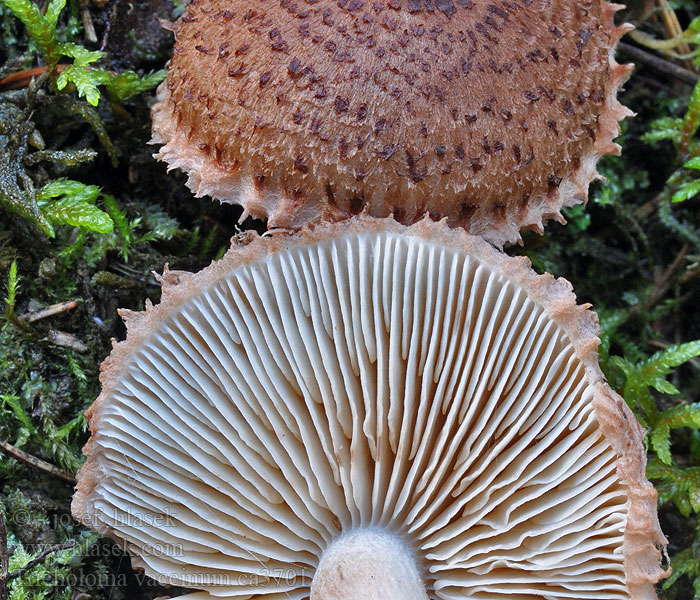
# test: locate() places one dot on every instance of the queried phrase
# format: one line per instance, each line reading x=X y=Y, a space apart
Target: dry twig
x=65 y=340
x=33 y=461
x=49 y=311
x=659 y=64
x=21 y=79
x=674 y=29
x=39 y=558
x=88 y=25
x=663 y=282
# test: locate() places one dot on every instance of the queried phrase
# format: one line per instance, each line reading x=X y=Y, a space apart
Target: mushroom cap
x=490 y=114
x=360 y=376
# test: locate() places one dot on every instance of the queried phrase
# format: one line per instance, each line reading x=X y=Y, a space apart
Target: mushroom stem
x=368 y=563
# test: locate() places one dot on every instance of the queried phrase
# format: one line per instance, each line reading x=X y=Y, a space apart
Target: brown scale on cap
x=492 y=114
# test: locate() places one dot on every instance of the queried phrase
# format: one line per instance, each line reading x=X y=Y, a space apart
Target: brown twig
x=65 y=340
x=21 y=79
x=33 y=461
x=646 y=209
x=663 y=283
x=660 y=64
x=88 y=26
x=673 y=28
x=39 y=558
x=49 y=311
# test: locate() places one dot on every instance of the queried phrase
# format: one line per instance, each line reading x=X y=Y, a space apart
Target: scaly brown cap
x=492 y=114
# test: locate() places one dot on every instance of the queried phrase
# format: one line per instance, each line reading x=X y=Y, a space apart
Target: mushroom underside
x=369 y=378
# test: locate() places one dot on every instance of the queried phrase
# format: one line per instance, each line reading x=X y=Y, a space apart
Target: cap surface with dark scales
x=490 y=113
